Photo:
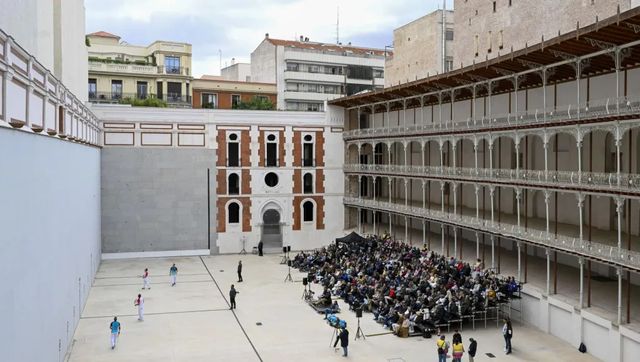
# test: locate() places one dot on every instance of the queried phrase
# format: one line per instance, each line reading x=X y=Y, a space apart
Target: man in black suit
x=260 y=248
x=343 y=337
x=232 y=297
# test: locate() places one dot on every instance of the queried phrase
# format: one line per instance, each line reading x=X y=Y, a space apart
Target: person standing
x=139 y=302
x=115 y=331
x=343 y=337
x=507 y=332
x=457 y=351
x=443 y=349
x=473 y=346
x=260 y=245
x=173 y=273
x=145 y=279
x=232 y=296
x=240 y=271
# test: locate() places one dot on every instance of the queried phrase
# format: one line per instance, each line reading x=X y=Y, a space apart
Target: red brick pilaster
x=246 y=214
x=245 y=148
x=319 y=149
x=319 y=181
x=246 y=182
x=221 y=180
x=221 y=152
x=297 y=149
x=297 y=181
x=281 y=149
x=261 y=149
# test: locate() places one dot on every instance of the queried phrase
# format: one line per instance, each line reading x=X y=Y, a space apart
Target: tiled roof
x=326 y=46
x=104 y=34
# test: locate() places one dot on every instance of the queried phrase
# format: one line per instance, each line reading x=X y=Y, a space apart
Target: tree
x=256 y=103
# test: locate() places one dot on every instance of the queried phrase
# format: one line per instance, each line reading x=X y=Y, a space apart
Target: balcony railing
x=590 y=249
x=35 y=101
x=590 y=180
x=608 y=107
x=116 y=97
x=137 y=68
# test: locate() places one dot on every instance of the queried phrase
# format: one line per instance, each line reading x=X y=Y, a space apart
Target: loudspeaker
x=289 y=248
x=289 y=262
x=284 y=249
x=359 y=312
x=305 y=281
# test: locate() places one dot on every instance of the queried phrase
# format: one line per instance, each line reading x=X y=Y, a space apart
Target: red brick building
x=212 y=92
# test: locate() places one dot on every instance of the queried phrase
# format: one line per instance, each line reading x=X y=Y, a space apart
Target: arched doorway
x=271 y=229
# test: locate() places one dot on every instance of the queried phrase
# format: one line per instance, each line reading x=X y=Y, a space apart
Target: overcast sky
x=236 y=27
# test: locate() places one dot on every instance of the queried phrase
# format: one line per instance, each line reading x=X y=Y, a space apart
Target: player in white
x=145 y=279
x=139 y=302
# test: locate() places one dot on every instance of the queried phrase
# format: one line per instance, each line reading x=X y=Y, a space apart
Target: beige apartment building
x=488 y=29
x=120 y=71
x=418 y=48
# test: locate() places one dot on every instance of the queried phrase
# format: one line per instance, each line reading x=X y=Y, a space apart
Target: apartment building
x=529 y=162
x=119 y=71
x=215 y=93
x=488 y=29
x=309 y=73
x=421 y=48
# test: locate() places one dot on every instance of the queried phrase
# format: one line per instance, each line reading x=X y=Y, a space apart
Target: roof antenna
x=338 y=26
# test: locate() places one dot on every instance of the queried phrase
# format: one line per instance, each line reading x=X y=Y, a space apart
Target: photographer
x=343 y=337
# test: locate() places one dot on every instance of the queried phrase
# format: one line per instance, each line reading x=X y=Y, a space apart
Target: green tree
x=256 y=103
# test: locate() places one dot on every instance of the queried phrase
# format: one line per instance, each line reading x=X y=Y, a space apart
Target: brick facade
x=261 y=149
x=221 y=152
x=281 y=151
x=319 y=181
x=297 y=149
x=221 y=180
x=319 y=148
x=297 y=181
x=224 y=97
x=222 y=213
x=245 y=149
x=297 y=211
x=246 y=182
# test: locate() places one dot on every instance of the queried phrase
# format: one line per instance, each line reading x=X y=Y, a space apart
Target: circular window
x=271 y=137
x=307 y=138
x=271 y=179
x=233 y=136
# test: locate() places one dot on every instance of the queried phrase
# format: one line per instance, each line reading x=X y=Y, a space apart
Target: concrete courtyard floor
x=192 y=321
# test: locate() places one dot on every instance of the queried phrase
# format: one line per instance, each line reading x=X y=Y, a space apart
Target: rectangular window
x=141 y=88
x=494 y=6
x=159 y=87
x=116 y=89
x=448 y=65
x=93 y=88
x=235 y=100
x=209 y=100
x=489 y=45
x=307 y=155
x=233 y=157
x=174 y=91
x=500 y=40
x=272 y=154
x=172 y=64
x=292 y=67
x=448 y=35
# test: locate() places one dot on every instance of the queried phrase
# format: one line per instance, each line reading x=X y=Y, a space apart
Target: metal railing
x=591 y=249
x=592 y=180
x=117 y=97
x=539 y=117
x=98 y=66
x=38 y=102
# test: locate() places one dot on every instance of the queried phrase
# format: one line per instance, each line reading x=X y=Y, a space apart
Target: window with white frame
x=307 y=211
x=272 y=151
x=233 y=184
x=233 y=212
x=307 y=151
x=307 y=183
x=233 y=150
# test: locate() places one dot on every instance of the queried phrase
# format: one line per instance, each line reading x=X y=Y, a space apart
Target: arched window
x=234 y=213
x=307 y=182
x=272 y=151
x=307 y=211
x=307 y=152
x=233 y=184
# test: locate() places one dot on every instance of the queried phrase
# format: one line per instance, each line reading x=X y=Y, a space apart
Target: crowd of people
x=409 y=290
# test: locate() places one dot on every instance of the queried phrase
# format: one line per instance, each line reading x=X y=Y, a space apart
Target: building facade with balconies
x=529 y=162
x=215 y=93
x=120 y=72
x=309 y=73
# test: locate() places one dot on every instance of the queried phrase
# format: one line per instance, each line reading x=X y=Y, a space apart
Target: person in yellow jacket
x=443 y=349
x=458 y=351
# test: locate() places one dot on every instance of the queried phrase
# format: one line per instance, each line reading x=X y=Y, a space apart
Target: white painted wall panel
x=559 y=319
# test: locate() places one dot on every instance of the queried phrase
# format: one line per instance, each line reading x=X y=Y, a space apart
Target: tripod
x=288 y=277
x=244 y=241
x=359 y=332
x=285 y=259
x=306 y=293
x=334 y=336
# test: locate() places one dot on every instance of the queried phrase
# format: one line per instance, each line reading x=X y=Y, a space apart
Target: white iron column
x=455 y=241
x=580 y=198
x=406 y=192
x=581 y=264
x=475 y=154
x=492 y=190
x=546 y=211
x=518 y=247
x=477 y=246
x=493 y=252
x=619 y=272
x=406 y=230
x=477 y=190
x=424 y=199
x=619 y=209
x=374 y=187
x=579 y=146
x=441 y=158
x=388 y=117
x=545 y=145
x=454 y=186
x=618 y=144
x=518 y=196
x=548 y=254
x=424 y=232
x=517 y=146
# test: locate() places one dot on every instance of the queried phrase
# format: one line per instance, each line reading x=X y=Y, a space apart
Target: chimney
x=301 y=38
x=266 y=35
x=306 y=39
x=233 y=61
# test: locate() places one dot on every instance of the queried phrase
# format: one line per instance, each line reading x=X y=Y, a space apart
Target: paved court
x=192 y=321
